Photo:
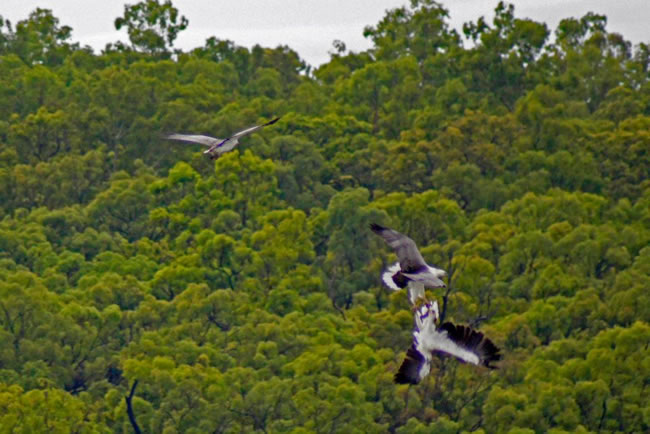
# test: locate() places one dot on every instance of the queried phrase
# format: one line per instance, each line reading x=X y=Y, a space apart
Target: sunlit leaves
x=249 y=182
x=51 y=409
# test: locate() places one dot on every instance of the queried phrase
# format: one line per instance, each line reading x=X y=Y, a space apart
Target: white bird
x=410 y=270
x=461 y=342
x=216 y=146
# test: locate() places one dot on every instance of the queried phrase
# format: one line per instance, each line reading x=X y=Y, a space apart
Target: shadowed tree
x=349 y=245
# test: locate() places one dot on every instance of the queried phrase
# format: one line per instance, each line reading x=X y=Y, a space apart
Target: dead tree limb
x=129 y=409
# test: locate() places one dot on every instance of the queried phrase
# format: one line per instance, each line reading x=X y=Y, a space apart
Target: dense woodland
x=244 y=294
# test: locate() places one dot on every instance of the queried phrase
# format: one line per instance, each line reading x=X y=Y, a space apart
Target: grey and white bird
x=462 y=342
x=217 y=147
x=410 y=271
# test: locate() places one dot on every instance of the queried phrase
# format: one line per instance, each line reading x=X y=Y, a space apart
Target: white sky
x=310 y=26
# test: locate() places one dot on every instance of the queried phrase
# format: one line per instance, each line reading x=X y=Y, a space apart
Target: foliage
x=152 y=26
x=244 y=294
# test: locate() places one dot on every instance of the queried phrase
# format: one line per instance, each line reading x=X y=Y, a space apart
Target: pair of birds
x=217 y=147
x=429 y=338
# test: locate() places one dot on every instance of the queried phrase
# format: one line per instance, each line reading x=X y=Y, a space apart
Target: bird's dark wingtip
x=401 y=378
x=273 y=121
x=376 y=228
x=408 y=372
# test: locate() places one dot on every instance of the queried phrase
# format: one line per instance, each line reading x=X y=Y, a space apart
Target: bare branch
x=129 y=409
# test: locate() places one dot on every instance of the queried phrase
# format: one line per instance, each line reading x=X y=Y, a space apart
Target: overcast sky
x=310 y=26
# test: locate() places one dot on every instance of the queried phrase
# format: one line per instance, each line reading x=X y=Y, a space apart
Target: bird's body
x=410 y=271
x=462 y=342
x=217 y=147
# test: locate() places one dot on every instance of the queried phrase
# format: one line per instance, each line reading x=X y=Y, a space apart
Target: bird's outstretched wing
x=195 y=138
x=409 y=256
x=252 y=129
x=467 y=345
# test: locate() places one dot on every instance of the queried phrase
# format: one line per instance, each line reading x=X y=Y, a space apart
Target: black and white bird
x=216 y=147
x=410 y=271
x=462 y=342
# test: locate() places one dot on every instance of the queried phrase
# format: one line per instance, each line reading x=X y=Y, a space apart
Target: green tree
x=420 y=30
x=38 y=40
x=152 y=26
x=348 y=246
x=123 y=207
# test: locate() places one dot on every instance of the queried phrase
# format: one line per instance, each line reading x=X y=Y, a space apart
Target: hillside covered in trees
x=244 y=295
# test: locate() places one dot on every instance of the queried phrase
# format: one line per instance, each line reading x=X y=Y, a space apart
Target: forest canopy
x=244 y=294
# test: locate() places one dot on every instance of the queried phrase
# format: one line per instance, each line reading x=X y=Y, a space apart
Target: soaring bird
x=461 y=342
x=410 y=270
x=216 y=147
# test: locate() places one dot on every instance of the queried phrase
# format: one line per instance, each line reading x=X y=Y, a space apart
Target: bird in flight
x=216 y=146
x=462 y=342
x=410 y=270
